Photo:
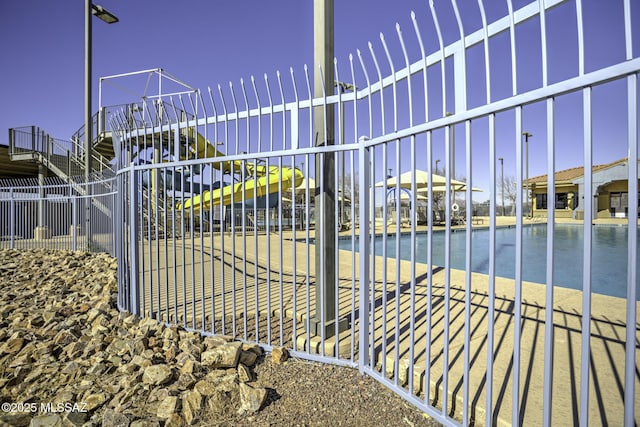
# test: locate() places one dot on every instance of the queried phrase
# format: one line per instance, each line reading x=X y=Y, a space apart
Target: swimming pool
x=608 y=266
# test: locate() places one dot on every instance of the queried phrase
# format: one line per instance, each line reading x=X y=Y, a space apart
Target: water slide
x=267 y=180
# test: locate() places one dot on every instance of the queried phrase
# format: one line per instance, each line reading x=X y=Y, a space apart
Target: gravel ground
x=303 y=393
x=299 y=393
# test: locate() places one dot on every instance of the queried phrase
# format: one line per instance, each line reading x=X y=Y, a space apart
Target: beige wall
x=603 y=199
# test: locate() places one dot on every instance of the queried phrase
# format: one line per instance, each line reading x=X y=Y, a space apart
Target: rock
x=94 y=401
x=144 y=423
x=75 y=418
x=248 y=358
x=168 y=407
x=174 y=420
x=63 y=340
x=190 y=367
x=191 y=406
x=254 y=348
x=12 y=346
x=50 y=420
x=113 y=419
x=218 y=401
x=279 y=355
x=251 y=399
x=225 y=356
x=244 y=373
x=157 y=375
x=185 y=381
x=205 y=388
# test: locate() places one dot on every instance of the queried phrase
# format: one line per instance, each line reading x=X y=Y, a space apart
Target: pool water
x=608 y=260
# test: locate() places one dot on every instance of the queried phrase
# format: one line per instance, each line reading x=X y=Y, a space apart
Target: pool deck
x=272 y=286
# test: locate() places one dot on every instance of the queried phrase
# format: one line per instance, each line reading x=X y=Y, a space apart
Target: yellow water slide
x=267 y=180
x=200 y=148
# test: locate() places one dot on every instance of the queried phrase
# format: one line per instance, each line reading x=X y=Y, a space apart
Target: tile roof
x=573 y=173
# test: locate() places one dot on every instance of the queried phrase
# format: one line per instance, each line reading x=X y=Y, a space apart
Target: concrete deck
x=204 y=279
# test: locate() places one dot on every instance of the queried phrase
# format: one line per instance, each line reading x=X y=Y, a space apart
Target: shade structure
x=439 y=182
x=302 y=188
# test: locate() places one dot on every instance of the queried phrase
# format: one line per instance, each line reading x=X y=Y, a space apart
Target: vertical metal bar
x=134 y=245
x=267 y=213
x=353 y=214
x=364 y=184
x=74 y=222
x=308 y=217
x=243 y=211
x=632 y=250
x=632 y=244
x=468 y=274
x=12 y=219
x=294 y=219
x=280 y=193
x=512 y=44
x=517 y=316
x=385 y=220
x=413 y=217
x=255 y=215
x=588 y=220
x=397 y=328
x=492 y=270
x=586 y=284
x=549 y=326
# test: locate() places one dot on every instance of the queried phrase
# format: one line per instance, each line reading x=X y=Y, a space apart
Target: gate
x=354 y=279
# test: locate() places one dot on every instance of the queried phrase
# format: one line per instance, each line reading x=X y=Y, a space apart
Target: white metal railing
x=463 y=346
x=52 y=214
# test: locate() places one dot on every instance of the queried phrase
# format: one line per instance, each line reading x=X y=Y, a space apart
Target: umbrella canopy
x=422 y=181
x=300 y=189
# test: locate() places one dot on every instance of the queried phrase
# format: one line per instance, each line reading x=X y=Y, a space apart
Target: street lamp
x=437 y=161
x=109 y=18
x=528 y=135
x=502 y=178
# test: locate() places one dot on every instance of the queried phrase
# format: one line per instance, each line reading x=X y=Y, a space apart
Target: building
x=610 y=192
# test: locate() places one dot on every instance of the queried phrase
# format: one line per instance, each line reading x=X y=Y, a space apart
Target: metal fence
x=464 y=347
x=53 y=214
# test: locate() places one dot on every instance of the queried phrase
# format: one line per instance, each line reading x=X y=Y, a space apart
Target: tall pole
x=502 y=179
x=528 y=135
x=343 y=87
x=323 y=323
x=87 y=115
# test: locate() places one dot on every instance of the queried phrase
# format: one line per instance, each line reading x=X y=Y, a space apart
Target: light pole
x=528 y=135
x=109 y=18
x=437 y=161
x=324 y=322
x=502 y=179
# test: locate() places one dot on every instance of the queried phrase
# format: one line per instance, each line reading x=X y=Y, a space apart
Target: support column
x=42 y=230
x=323 y=323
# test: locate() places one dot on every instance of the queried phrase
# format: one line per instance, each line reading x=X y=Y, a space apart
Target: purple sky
x=207 y=43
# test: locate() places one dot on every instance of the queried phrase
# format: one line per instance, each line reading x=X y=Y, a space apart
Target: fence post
x=364 y=184
x=12 y=219
x=74 y=222
x=134 y=303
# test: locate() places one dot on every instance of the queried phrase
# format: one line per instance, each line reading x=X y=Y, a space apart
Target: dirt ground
x=303 y=393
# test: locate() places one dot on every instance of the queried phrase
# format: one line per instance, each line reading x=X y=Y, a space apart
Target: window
x=541 y=201
x=561 y=201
